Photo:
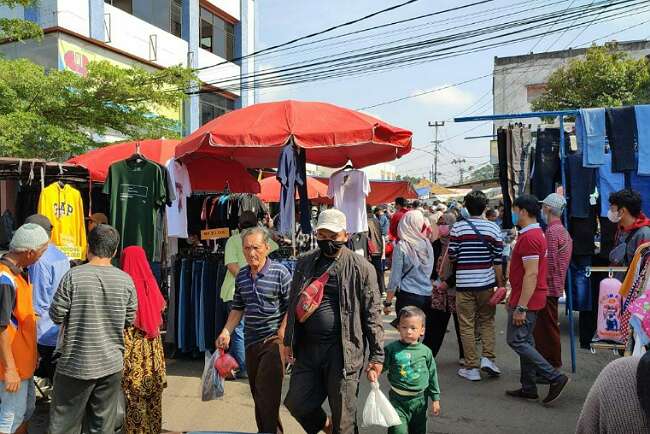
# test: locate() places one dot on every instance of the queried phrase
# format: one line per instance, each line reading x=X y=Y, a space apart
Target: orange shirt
x=22 y=328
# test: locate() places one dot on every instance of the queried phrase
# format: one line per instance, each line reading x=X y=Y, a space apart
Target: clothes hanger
x=137 y=156
x=60 y=181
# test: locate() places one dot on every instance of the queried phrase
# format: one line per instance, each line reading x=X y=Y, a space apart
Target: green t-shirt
x=137 y=191
x=412 y=368
x=235 y=255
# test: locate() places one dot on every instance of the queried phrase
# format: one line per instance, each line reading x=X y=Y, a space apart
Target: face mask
x=515 y=218
x=613 y=217
x=464 y=213
x=443 y=231
x=330 y=247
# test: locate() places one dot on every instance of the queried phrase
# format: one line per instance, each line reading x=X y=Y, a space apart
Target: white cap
x=555 y=201
x=29 y=236
x=332 y=220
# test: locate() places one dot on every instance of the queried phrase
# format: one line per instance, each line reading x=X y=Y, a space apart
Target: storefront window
x=176 y=17
x=213 y=106
x=217 y=35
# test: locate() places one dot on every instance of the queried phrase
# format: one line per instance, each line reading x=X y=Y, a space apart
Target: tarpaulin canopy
x=331 y=135
x=212 y=174
x=271 y=189
x=382 y=192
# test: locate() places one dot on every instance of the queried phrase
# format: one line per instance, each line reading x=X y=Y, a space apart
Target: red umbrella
x=271 y=189
x=205 y=174
x=331 y=135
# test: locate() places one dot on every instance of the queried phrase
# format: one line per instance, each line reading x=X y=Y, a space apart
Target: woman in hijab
x=410 y=276
x=144 y=362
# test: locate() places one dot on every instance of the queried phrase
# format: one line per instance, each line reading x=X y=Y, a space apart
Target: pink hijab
x=151 y=303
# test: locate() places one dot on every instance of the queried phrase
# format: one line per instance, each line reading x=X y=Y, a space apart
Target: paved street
x=466 y=407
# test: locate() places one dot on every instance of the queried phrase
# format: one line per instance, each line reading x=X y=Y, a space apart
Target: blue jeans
x=18 y=407
x=520 y=339
x=582 y=183
x=237 y=344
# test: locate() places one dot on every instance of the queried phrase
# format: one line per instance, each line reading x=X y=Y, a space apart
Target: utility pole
x=436 y=144
x=459 y=162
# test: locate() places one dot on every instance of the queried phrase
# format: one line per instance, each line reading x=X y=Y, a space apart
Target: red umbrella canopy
x=208 y=174
x=271 y=189
x=332 y=135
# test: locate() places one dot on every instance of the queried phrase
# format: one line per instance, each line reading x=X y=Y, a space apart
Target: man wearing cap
x=329 y=345
x=18 y=353
x=45 y=276
x=96 y=219
x=235 y=260
x=261 y=298
x=560 y=245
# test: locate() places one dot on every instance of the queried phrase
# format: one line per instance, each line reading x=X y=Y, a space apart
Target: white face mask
x=613 y=217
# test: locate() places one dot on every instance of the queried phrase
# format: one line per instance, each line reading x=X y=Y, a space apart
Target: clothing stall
x=597 y=161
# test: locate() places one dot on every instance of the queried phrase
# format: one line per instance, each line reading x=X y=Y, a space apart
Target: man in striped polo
x=476 y=246
x=261 y=299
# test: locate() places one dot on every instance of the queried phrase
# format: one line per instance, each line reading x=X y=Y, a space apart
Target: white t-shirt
x=177 y=212
x=349 y=189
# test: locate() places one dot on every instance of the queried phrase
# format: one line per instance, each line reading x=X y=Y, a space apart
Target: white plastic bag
x=212 y=385
x=378 y=409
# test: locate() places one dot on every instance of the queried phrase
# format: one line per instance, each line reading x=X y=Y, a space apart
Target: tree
x=606 y=77
x=53 y=114
x=482 y=173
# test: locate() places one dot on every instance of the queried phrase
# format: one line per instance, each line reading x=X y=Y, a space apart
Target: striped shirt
x=93 y=304
x=474 y=261
x=264 y=300
x=560 y=246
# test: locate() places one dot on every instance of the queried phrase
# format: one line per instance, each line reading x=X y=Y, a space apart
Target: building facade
x=209 y=35
x=519 y=80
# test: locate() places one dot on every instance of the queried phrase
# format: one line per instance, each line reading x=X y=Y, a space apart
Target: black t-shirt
x=325 y=324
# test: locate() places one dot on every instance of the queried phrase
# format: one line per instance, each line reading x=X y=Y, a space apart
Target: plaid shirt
x=560 y=246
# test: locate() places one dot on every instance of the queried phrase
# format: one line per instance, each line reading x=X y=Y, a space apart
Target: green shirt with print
x=412 y=368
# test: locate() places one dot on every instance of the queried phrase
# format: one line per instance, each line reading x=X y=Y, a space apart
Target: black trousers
x=265 y=375
x=318 y=375
x=621 y=123
x=376 y=262
x=47 y=363
x=404 y=299
x=502 y=147
x=547 y=163
x=439 y=322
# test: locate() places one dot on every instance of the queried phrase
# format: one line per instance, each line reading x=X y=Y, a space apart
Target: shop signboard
x=215 y=234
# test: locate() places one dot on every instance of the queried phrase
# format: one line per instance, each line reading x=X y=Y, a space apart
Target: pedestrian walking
x=401 y=208
x=528 y=270
x=18 y=328
x=261 y=299
x=560 y=247
x=94 y=303
x=475 y=248
x=329 y=346
x=412 y=374
x=410 y=276
x=45 y=276
x=145 y=375
x=376 y=248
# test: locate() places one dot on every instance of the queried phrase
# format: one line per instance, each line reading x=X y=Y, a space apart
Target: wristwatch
x=388 y=303
x=521 y=309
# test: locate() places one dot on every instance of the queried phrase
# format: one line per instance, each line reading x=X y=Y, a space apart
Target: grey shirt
x=612 y=406
x=94 y=304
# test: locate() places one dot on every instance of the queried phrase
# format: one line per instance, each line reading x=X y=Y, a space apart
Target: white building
x=153 y=34
x=519 y=80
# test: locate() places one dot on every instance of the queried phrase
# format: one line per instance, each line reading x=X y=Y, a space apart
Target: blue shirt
x=409 y=278
x=264 y=300
x=384 y=224
x=45 y=276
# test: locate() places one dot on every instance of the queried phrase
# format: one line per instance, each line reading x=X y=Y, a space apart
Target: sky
x=279 y=21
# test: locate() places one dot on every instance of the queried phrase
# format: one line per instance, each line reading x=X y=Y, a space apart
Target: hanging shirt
x=177 y=212
x=137 y=190
x=63 y=206
x=349 y=189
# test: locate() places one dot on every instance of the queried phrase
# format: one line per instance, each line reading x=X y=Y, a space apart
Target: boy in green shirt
x=412 y=374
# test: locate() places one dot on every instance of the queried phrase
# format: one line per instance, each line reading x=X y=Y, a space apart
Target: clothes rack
x=562 y=114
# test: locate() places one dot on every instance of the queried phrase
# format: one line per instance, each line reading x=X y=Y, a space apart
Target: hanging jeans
x=208 y=305
x=502 y=148
x=185 y=319
x=581 y=184
x=547 y=163
x=581 y=284
x=590 y=132
x=642 y=114
x=608 y=183
x=519 y=159
x=198 y=337
x=621 y=131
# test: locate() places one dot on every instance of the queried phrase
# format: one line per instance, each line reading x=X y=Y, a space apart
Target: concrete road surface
x=467 y=407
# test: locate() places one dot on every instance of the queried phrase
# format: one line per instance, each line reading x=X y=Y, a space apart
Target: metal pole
x=436 y=143
x=569 y=292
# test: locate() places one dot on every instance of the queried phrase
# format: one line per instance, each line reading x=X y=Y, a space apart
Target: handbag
x=311 y=297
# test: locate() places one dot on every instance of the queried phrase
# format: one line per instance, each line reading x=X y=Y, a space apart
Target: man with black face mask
x=329 y=345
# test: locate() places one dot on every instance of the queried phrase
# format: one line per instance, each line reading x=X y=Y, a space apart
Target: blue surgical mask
x=515 y=218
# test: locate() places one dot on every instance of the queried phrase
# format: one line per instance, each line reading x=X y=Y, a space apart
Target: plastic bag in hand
x=378 y=409
x=226 y=365
x=212 y=385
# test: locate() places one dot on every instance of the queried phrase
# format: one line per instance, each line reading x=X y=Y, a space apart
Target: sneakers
x=472 y=374
x=519 y=393
x=556 y=389
x=489 y=367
